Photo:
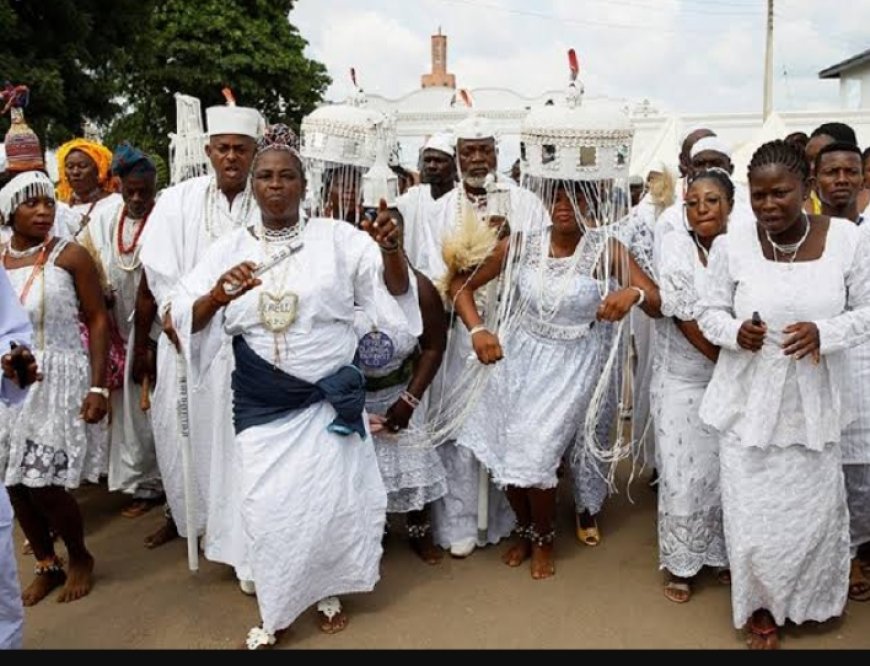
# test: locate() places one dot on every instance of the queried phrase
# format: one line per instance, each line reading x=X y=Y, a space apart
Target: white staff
x=186 y=465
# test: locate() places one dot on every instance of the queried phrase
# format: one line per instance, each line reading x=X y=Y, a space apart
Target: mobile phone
x=756 y=319
x=20 y=365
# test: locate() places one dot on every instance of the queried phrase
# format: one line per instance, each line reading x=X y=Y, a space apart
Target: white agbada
x=687 y=453
x=420 y=240
x=187 y=219
x=454 y=517
x=132 y=458
x=313 y=503
x=856 y=437
x=783 y=498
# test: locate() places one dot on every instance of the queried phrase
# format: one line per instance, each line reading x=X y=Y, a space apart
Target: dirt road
x=604 y=597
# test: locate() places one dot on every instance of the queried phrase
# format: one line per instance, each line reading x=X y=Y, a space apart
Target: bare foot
x=543 y=561
x=139 y=507
x=426 y=549
x=79 y=580
x=167 y=532
x=41 y=587
x=859 y=585
x=724 y=576
x=519 y=551
x=678 y=590
x=762 y=632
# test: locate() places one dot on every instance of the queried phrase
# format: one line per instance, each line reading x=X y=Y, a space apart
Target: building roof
x=834 y=71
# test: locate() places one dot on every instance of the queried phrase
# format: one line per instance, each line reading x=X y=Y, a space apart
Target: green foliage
x=119 y=62
x=70 y=53
x=197 y=48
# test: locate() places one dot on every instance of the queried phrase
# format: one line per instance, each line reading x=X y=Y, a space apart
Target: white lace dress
x=536 y=398
x=412 y=472
x=783 y=497
x=43 y=442
x=687 y=455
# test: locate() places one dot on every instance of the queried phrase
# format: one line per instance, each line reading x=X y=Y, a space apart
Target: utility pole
x=768 y=63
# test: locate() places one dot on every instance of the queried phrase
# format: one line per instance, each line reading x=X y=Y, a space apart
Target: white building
x=435 y=107
x=854 y=75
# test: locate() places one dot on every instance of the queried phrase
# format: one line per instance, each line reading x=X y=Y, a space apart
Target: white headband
x=711 y=143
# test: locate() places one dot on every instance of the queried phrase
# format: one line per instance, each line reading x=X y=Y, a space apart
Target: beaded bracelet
x=412 y=401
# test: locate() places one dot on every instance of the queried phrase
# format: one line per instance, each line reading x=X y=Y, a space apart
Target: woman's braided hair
x=782 y=153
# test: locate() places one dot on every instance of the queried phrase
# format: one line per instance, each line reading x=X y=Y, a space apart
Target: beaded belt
x=398 y=377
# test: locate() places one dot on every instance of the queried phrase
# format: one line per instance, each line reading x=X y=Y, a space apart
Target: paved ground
x=604 y=597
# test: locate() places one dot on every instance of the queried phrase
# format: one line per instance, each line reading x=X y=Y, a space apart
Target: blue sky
x=683 y=55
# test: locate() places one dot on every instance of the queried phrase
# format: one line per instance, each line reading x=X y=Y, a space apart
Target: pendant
x=376 y=349
x=278 y=311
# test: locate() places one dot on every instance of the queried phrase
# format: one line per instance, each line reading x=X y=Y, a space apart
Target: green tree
x=69 y=52
x=197 y=47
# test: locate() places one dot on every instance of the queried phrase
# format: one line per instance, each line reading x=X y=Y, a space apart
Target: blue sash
x=263 y=393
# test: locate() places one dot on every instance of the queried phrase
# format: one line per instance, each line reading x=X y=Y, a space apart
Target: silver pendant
x=278 y=311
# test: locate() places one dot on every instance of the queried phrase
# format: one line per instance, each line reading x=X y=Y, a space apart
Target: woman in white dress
x=398 y=376
x=51 y=442
x=689 y=507
x=313 y=503
x=783 y=298
x=534 y=402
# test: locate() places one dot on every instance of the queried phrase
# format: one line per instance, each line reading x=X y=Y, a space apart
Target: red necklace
x=123 y=249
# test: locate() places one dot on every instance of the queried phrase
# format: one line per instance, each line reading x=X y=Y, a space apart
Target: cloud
x=685 y=55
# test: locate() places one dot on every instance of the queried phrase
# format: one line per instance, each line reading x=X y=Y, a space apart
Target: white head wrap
x=442 y=142
x=230 y=119
x=711 y=143
x=24 y=186
x=474 y=127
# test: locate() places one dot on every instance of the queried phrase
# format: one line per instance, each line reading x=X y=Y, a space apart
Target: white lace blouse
x=767 y=398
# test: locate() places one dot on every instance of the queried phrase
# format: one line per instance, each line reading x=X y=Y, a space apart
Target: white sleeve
x=715 y=311
x=852 y=327
x=370 y=291
x=14 y=327
x=677 y=278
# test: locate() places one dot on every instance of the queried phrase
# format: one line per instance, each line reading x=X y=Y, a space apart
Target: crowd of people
x=282 y=352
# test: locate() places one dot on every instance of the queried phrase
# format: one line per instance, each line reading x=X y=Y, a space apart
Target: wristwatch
x=100 y=391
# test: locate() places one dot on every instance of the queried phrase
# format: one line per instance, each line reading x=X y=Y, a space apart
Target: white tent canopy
x=773 y=128
x=663 y=149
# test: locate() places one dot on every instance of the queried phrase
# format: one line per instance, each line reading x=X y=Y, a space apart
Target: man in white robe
x=114 y=234
x=187 y=219
x=455 y=517
x=839 y=182
x=438 y=176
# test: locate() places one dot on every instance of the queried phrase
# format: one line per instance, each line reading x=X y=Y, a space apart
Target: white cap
x=239 y=120
x=474 y=127
x=711 y=143
x=442 y=142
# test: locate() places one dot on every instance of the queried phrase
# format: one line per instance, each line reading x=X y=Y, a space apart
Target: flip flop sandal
x=678 y=586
